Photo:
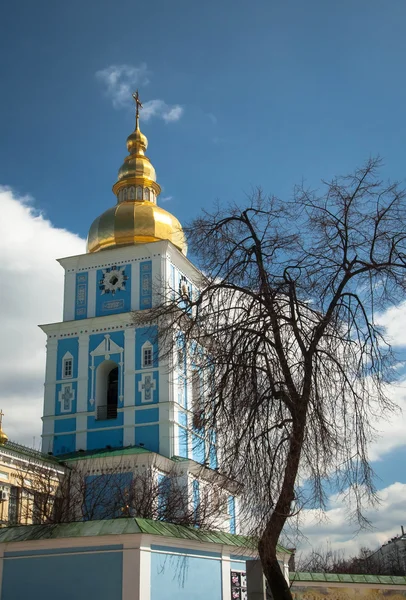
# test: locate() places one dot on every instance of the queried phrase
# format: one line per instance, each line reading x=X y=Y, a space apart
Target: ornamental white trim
x=66 y=396
x=147 y=386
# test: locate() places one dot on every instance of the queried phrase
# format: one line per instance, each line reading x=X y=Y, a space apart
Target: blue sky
x=264 y=92
x=297 y=89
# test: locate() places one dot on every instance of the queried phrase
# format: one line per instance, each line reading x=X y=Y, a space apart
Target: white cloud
x=391 y=432
x=120 y=82
x=159 y=108
x=165 y=198
x=336 y=531
x=394 y=321
x=31 y=294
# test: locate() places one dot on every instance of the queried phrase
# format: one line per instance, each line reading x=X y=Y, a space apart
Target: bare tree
x=283 y=332
x=366 y=562
x=108 y=489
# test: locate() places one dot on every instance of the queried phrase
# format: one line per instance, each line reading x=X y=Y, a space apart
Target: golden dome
x=134 y=222
x=136 y=218
x=3 y=436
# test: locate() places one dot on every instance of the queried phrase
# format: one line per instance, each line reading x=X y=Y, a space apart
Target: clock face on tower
x=113 y=280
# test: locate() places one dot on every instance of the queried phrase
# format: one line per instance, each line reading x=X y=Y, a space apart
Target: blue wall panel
x=198 y=449
x=231 y=512
x=147 y=437
x=111 y=300
x=146 y=284
x=82 y=577
x=81 y=294
x=64 y=425
x=150 y=415
x=108 y=437
x=93 y=423
x=183 y=442
x=64 y=443
x=105 y=494
x=176 y=577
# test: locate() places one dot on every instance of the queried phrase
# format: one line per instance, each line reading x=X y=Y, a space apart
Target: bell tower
x=106 y=385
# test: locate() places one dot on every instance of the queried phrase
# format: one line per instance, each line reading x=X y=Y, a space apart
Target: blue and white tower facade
x=105 y=385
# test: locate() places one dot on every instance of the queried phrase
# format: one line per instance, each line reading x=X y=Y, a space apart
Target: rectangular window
x=67 y=368
x=147 y=357
x=239 y=585
x=14 y=505
x=197 y=407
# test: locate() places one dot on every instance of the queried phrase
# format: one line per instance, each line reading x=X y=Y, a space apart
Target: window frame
x=147 y=348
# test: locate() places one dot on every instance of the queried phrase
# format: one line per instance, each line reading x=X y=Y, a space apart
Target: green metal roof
x=29 y=452
x=103 y=453
x=343 y=578
x=123 y=526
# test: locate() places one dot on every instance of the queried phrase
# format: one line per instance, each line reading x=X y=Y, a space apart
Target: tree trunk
x=276 y=580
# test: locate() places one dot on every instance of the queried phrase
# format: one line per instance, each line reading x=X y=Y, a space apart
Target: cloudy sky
x=235 y=94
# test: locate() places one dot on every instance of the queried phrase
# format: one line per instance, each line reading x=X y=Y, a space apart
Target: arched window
x=139 y=192
x=146 y=194
x=106 y=390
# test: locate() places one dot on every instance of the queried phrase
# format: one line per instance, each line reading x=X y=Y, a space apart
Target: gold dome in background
x=3 y=436
x=136 y=218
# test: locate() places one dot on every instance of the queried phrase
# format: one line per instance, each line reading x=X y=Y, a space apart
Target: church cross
x=138 y=105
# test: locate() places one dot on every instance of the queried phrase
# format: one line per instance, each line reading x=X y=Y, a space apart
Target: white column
x=50 y=377
x=91 y=293
x=226 y=575
x=136 y=572
x=135 y=285
x=83 y=373
x=82 y=393
x=129 y=387
x=129 y=366
x=69 y=297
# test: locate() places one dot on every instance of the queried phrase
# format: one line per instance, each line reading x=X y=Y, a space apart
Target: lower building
x=123 y=559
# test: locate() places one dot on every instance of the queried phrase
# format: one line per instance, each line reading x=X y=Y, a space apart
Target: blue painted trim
x=231 y=512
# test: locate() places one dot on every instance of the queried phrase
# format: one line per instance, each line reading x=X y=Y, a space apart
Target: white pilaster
x=83 y=373
x=50 y=377
x=81 y=433
x=129 y=366
x=226 y=575
x=135 y=286
x=129 y=427
x=136 y=572
x=69 y=297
